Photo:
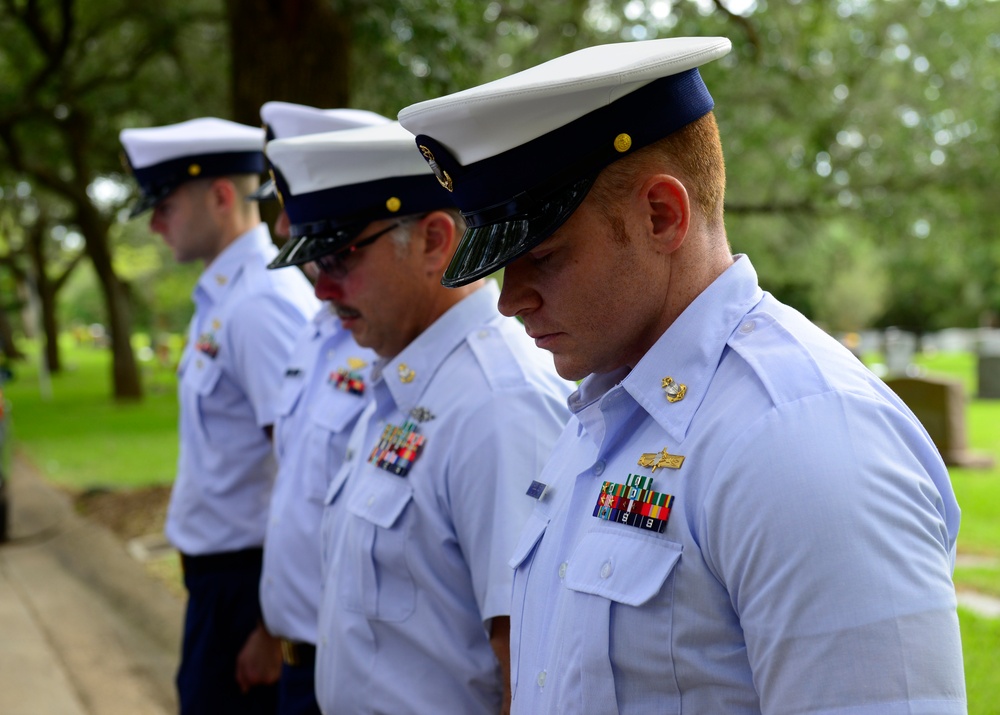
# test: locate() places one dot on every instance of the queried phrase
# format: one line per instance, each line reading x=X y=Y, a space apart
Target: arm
x=500 y=641
x=259 y=661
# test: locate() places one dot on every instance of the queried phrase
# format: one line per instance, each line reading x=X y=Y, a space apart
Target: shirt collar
x=227 y=266
x=408 y=374
x=688 y=352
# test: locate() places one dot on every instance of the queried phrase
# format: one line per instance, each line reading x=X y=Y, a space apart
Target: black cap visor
x=489 y=244
x=265 y=192
x=301 y=249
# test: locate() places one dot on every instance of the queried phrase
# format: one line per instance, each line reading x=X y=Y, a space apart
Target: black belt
x=225 y=561
x=298 y=654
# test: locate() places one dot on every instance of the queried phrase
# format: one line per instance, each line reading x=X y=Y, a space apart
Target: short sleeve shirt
x=746 y=522
x=324 y=390
x=419 y=524
x=246 y=319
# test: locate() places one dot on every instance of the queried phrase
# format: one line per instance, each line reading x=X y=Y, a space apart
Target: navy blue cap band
x=158 y=180
x=512 y=182
x=329 y=210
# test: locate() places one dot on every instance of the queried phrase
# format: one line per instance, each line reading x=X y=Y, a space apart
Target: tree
x=74 y=72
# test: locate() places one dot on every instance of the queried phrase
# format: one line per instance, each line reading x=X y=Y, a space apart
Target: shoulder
x=791 y=358
x=509 y=361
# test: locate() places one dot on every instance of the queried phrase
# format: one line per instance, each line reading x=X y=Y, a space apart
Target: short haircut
x=693 y=154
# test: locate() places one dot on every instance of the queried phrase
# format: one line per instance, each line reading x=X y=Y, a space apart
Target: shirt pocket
x=621 y=567
x=201 y=377
x=378 y=581
x=332 y=416
x=531 y=534
x=289 y=396
x=620 y=586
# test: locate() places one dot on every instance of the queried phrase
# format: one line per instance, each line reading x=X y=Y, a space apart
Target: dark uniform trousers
x=223 y=609
x=297 y=687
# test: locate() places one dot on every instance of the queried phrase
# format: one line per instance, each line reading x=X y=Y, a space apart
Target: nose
x=328 y=288
x=282 y=225
x=518 y=296
x=155 y=222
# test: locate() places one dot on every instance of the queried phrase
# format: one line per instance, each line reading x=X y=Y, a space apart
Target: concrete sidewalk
x=84 y=630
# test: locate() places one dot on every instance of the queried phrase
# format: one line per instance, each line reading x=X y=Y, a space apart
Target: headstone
x=988 y=370
x=939 y=404
x=900 y=347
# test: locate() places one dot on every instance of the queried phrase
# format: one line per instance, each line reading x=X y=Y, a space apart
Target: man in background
x=322 y=395
x=195 y=176
x=421 y=518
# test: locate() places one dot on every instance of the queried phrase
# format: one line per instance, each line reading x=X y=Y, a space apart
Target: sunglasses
x=338 y=265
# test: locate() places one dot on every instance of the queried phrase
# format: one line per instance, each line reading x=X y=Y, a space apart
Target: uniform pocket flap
x=621 y=567
x=531 y=534
x=380 y=499
x=335 y=410
x=202 y=374
x=291 y=390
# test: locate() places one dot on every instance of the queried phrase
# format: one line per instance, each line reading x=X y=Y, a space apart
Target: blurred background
x=863 y=146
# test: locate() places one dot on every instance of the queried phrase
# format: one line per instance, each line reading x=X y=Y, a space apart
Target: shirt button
x=748 y=327
x=599 y=468
x=541 y=679
x=484 y=333
x=562 y=569
x=606 y=569
x=371 y=500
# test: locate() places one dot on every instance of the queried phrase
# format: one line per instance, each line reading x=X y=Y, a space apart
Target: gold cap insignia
x=675 y=391
x=442 y=176
x=623 y=142
x=393 y=204
x=194 y=169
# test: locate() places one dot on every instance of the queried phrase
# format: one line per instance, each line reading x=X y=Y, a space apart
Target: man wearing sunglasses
x=420 y=520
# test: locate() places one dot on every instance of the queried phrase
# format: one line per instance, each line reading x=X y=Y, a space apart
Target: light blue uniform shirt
x=316 y=410
x=806 y=563
x=246 y=319
x=417 y=564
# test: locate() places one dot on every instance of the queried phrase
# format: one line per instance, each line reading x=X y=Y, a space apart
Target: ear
x=439 y=241
x=666 y=203
x=222 y=194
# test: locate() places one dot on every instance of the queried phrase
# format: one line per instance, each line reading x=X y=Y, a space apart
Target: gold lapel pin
x=405 y=373
x=674 y=390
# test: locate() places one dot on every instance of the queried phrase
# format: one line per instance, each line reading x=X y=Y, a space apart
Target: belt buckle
x=288 y=653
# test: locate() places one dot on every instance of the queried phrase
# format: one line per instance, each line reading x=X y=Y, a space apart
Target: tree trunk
x=288 y=50
x=8 y=346
x=46 y=292
x=125 y=370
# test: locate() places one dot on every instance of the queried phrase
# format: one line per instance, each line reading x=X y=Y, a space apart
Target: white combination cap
x=520 y=154
x=283 y=120
x=332 y=185
x=162 y=158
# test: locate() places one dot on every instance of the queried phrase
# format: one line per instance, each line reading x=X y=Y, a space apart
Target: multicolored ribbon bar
x=634 y=503
x=347 y=380
x=398 y=448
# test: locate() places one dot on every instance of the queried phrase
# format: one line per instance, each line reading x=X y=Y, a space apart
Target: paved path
x=84 y=630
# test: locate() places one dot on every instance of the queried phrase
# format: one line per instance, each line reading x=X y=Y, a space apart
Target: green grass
x=81 y=439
